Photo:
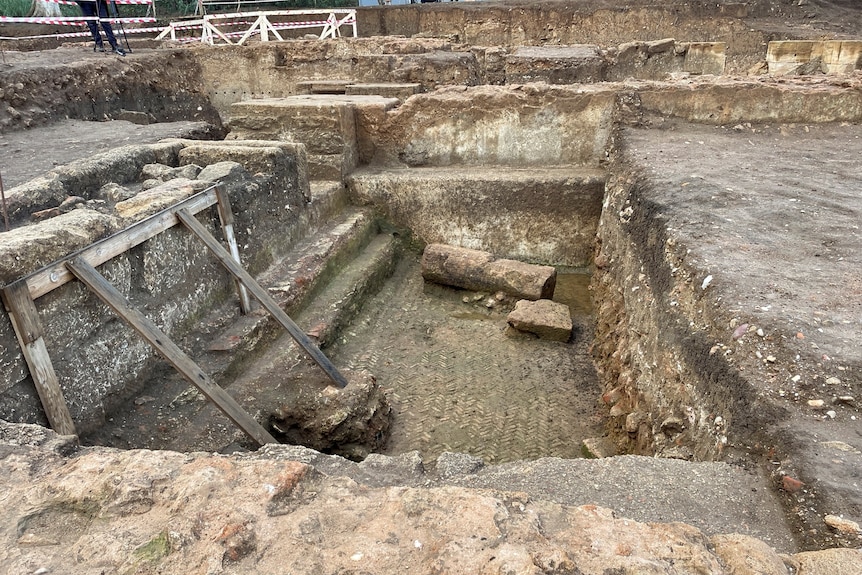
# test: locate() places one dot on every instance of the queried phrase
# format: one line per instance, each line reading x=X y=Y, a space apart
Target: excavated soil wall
x=559 y=23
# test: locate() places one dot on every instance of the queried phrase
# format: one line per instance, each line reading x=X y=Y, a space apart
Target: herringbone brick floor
x=458 y=383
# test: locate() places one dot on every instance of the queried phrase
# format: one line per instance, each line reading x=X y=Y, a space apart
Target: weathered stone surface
x=476 y=270
x=26 y=249
x=547 y=215
x=516 y=126
x=833 y=56
x=351 y=422
x=288 y=509
x=828 y=562
x=555 y=65
x=157 y=198
x=598 y=447
x=746 y=555
x=705 y=58
x=39 y=193
x=269 y=160
x=544 y=318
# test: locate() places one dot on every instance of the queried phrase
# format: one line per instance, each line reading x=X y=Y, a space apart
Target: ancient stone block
x=598 y=447
x=705 y=58
x=267 y=160
x=545 y=318
x=833 y=56
x=477 y=270
x=555 y=65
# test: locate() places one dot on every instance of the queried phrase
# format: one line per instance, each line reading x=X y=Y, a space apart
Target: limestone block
x=26 y=249
x=555 y=65
x=296 y=155
x=231 y=174
x=833 y=56
x=158 y=198
x=705 y=58
x=477 y=270
x=323 y=125
x=748 y=556
x=268 y=160
x=598 y=447
x=37 y=194
x=545 y=318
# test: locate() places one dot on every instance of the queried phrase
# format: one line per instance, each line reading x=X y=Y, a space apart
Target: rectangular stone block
x=478 y=270
x=544 y=318
x=835 y=56
x=555 y=65
x=705 y=58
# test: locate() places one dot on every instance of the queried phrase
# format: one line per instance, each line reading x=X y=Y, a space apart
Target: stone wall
x=171 y=277
x=563 y=23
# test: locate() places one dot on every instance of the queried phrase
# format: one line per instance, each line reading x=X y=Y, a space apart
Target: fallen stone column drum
x=479 y=271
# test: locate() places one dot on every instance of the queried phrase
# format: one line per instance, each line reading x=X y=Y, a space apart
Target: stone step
x=547 y=216
x=387 y=90
x=279 y=373
x=326 y=124
x=227 y=343
x=713 y=496
x=341 y=299
x=292 y=282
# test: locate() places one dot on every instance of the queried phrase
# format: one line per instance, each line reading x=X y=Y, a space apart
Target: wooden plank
x=262 y=296
x=28 y=328
x=225 y=214
x=56 y=274
x=168 y=349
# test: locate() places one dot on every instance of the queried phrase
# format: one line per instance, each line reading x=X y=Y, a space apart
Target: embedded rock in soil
x=479 y=271
x=544 y=318
x=351 y=422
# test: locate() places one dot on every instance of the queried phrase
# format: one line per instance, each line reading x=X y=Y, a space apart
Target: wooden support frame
x=262 y=296
x=28 y=329
x=168 y=349
x=19 y=297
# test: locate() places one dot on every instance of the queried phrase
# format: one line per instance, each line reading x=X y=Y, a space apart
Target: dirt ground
x=772 y=215
x=27 y=154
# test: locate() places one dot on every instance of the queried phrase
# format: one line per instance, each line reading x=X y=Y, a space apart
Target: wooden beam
x=225 y=214
x=85 y=272
x=262 y=296
x=28 y=328
x=53 y=276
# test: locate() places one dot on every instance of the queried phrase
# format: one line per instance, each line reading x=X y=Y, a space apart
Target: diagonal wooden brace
x=262 y=296
x=90 y=277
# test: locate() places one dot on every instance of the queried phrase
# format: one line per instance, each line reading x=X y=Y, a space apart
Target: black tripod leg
x=122 y=28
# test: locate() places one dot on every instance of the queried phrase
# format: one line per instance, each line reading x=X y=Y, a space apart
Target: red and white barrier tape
x=72 y=3
x=72 y=20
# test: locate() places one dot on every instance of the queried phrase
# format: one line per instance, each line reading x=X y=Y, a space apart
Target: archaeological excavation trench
x=690 y=205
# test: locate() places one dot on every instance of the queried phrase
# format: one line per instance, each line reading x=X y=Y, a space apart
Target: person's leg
x=88 y=10
x=106 y=26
